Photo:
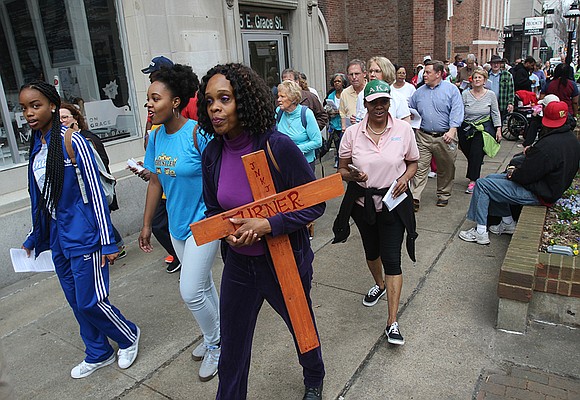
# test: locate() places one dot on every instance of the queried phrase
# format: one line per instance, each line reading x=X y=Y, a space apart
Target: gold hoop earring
x=176 y=115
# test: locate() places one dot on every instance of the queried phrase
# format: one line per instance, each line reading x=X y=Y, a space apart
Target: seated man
x=544 y=174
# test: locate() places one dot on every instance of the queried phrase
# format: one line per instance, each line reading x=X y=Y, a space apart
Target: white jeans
x=196 y=285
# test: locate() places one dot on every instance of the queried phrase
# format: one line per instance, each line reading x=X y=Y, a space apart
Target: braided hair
x=54 y=178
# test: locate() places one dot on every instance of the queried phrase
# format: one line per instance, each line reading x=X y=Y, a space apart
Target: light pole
x=572 y=16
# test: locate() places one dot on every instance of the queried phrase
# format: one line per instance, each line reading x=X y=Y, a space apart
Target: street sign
x=533 y=26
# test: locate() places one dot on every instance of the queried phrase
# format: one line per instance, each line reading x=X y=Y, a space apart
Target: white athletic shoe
x=84 y=369
x=472 y=236
x=199 y=352
x=209 y=365
x=502 y=227
x=127 y=356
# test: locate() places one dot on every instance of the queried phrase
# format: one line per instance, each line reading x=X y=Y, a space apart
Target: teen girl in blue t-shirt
x=174 y=158
x=79 y=232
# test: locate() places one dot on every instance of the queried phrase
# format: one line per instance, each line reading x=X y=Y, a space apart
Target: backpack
x=108 y=181
x=302 y=116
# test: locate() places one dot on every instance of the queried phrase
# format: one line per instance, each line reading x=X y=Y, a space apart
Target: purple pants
x=246 y=282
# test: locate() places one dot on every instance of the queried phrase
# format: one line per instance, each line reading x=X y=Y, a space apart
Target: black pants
x=160 y=228
x=336 y=138
x=383 y=239
x=473 y=150
x=535 y=124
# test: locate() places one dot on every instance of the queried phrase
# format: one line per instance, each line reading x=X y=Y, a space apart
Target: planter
x=533 y=284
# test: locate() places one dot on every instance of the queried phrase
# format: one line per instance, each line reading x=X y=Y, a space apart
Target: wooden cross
x=268 y=203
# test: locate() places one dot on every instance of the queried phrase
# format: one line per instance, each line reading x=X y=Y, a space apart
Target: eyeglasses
x=375 y=71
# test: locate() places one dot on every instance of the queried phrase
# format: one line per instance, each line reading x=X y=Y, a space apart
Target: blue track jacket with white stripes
x=83 y=228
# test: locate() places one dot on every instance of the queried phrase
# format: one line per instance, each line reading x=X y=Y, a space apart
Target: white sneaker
x=472 y=236
x=84 y=369
x=502 y=227
x=432 y=174
x=127 y=356
x=209 y=365
x=198 y=353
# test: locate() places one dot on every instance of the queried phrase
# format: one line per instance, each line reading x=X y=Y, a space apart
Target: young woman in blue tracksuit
x=78 y=232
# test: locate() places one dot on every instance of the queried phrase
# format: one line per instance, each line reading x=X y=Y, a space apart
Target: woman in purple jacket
x=234 y=106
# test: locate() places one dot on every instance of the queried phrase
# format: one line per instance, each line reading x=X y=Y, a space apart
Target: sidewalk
x=447 y=315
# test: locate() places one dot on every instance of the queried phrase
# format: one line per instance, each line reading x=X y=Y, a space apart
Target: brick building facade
x=406 y=31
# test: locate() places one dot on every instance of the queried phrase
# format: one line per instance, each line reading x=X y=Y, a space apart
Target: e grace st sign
x=263 y=21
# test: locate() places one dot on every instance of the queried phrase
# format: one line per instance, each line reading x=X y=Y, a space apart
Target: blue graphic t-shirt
x=177 y=164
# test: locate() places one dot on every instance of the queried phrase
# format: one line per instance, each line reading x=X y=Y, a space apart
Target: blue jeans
x=494 y=194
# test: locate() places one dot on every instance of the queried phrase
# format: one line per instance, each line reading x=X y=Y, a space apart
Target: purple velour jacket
x=294 y=171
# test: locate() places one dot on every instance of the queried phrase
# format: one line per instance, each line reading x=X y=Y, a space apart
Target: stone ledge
x=554 y=277
x=517 y=274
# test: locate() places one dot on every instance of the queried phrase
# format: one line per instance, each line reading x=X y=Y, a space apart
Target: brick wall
x=335 y=13
x=525 y=269
x=557 y=274
x=403 y=30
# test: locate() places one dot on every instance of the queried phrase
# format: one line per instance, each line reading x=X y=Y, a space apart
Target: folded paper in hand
x=22 y=263
x=133 y=164
x=391 y=202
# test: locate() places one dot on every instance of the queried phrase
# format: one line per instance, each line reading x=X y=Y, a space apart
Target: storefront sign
x=533 y=26
x=259 y=20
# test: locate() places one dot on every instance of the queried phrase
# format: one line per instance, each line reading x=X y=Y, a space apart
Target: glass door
x=267 y=54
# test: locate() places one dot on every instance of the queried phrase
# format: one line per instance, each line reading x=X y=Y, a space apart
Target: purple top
x=233 y=188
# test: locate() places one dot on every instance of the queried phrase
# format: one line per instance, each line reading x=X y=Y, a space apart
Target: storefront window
x=75 y=44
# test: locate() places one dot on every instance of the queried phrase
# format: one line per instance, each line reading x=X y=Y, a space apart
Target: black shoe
x=415 y=205
x=173 y=266
x=442 y=203
x=394 y=334
x=312 y=393
x=373 y=296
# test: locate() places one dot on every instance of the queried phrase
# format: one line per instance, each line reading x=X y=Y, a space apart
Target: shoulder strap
x=272 y=156
x=195 y=138
x=71 y=154
x=279 y=116
x=156 y=132
x=68 y=146
x=303 y=116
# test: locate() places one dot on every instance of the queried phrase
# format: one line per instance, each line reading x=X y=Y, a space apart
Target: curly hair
x=54 y=178
x=181 y=81
x=253 y=99
x=76 y=114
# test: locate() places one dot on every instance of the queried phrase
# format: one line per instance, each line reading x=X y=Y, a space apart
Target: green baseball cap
x=376 y=89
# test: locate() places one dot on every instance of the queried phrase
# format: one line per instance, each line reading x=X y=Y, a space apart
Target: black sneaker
x=312 y=393
x=374 y=294
x=122 y=253
x=394 y=335
x=173 y=266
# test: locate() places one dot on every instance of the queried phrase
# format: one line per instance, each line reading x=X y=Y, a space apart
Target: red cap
x=555 y=114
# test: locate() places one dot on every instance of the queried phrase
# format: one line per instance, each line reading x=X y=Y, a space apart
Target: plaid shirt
x=506 y=90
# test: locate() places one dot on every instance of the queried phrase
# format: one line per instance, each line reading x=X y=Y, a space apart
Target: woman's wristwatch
x=510 y=171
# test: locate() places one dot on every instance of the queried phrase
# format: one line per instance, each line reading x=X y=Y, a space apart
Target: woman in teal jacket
x=302 y=129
